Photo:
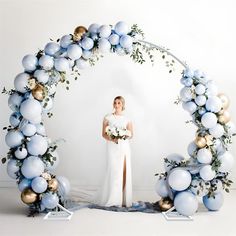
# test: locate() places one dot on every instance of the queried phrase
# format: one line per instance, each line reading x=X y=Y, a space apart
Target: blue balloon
x=126 y=41
x=65 y=41
x=30 y=62
x=87 y=43
x=50 y=200
x=21 y=153
x=14 y=138
x=188 y=82
x=21 y=82
x=214 y=203
x=114 y=39
x=186 y=203
x=61 y=64
x=74 y=51
x=24 y=183
x=51 y=48
x=12 y=168
x=46 y=62
x=93 y=28
x=15 y=119
x=39 y=185
x=14 y=101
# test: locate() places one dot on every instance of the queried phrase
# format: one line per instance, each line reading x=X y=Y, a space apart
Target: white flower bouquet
x=117 y=133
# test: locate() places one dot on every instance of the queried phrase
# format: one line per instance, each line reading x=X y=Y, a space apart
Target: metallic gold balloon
x=224 y=99
x=39 y=92
x=209 y=139
x=165 y=204
x=28 y=196
x=221 y=111
x=224 y=118
x=53 y=184
x=79 y=32
x=201 y=142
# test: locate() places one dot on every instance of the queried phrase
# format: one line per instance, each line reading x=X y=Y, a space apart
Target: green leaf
x=4 y=160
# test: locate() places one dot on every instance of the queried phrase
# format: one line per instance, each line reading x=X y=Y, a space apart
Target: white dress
x=111 y=193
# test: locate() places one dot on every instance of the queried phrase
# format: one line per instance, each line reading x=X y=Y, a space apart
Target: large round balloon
x=227 y=162
x=37 y=145
x=50 y=200
x=186 y=203
x=179 y=179
x=30 y=109
x=39 y=184
x=14 y=138
x=214 y=203
x=172 y=157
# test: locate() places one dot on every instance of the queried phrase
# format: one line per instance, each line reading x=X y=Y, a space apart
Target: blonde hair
x=122 y=100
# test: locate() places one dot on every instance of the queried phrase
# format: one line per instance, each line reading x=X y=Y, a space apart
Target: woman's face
x=118 y=105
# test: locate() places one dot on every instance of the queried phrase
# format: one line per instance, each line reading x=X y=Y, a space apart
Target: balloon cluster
x=204 y=174
x=32 y=156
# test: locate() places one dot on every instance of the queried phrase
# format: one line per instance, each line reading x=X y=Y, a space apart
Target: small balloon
x=79 y=32
x=39 y=92
x=28 y=196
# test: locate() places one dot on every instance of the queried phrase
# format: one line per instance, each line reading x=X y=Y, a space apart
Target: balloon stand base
x=172 y=215
x=64 y=214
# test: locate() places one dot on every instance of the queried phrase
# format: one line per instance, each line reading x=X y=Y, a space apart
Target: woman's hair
x=122 y=100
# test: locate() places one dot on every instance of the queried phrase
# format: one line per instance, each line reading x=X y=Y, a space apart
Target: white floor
x=13 y=220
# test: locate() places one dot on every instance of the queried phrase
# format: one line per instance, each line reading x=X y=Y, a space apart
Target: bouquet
x=117 y=133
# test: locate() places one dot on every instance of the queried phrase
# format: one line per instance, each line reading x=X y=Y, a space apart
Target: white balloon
x=191 y=107
x=213 y=104
x=198 y=74
x=37 y=145
x=188 y=73
x=103 y=45
x=30 y=62
x=207 y=173
x=227 y=162
x=21 y=82
x=31 y=109
x=46 y=62
x=200 y=100
x=42 y=76
x=209 y=120
x=121 y=28
x=114 y=39
x=217 y=131
x=212 y=89
x=186 y=94
x=126 y=41
x=104 y=31
x=74 y=51
x=14 y=138
x=179 y=179
x=204 y=156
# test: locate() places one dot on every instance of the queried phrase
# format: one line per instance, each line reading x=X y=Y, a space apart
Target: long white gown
x=111 y=193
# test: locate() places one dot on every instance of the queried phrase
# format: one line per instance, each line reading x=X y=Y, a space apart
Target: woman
x=117 y=186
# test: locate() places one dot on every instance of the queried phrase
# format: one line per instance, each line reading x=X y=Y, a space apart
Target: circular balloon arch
x=32 y=157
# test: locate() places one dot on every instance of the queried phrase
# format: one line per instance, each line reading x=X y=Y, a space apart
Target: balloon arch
x=32 y=156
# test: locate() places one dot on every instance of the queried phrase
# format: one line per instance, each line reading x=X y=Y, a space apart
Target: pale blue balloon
x=104 y=45
x=28 y=129
x=21 y=82
x=193 y=166
x=227 y=161
x=162 y=188
x=204 y=156
x=64 y=186
x=24 y=183
x=46 y=62
x=51 y=48
x=14 y=138
x=188 y=73
x=30 y=62
x=207 y=173
x=209 y=120
x=214 y=203
x=188 y=82
x=173 y=157
x=15 y=119
x=74 y=51
x=186 y=203
x=39 y=184
x=82 y=64
x=192 y=147
x=93 y=28
x=114 y=39
x=21 y=153
x=31 y=109
x=40 y=129
x=42 y=76
x=12 y=168
x=126 y=41
x=200 y=100
x=217 y=131
x=186 y=94
x=179 y=179
x=213 y=104
x=104 y=31
x=50 y=200
x=61 y=64
x=32 y=167
x=121 y=28
x=87 y=43
x=65 y=41
x=191 y=107
x=37 y=145
x=86 y=54
x=200 y=89
x=201 y=110
x=14 y=101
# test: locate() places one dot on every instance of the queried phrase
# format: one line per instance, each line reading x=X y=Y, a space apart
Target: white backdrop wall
x=199 y=32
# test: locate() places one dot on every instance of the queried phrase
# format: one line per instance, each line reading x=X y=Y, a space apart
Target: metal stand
x=172 y=215
x=59 y=215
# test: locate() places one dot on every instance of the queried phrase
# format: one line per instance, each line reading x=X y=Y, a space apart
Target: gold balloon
x=39 y=92
x=224 y=99
x=224 y=118
x=165 y=204
x=201 y=142
x=221 y=111
x=28 y=196
x=79 y=32
x=53 y=184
